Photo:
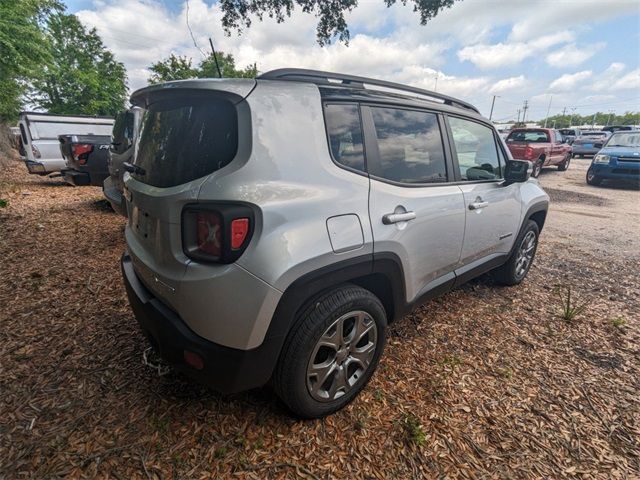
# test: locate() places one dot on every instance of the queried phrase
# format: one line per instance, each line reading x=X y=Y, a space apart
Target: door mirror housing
x=516 y=171
x=598 y=145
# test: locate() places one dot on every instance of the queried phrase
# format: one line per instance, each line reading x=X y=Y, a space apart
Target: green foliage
x=180 y=68
x=23 y=49
x=414 y=430
x=569 y=308
x=330 y=13
x=3 y=203
x=82 y=76
x=172 y=68
x=617 y=322
x=599 y=118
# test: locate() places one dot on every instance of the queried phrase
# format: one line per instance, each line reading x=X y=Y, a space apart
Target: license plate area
x=141 y=222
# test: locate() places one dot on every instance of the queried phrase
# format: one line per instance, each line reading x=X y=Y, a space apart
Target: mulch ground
x=485 y=382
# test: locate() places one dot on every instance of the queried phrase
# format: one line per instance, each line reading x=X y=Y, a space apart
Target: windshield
x=594 y=134
x=530 y=136
x=624 y=139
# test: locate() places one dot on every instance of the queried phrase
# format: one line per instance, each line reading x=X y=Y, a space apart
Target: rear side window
x=345 y=134
x=186 y=137
x=122 y=135
x=410 y=146
x=476 y=150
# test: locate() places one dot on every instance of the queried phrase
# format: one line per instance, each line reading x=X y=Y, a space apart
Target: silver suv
x=278 y=225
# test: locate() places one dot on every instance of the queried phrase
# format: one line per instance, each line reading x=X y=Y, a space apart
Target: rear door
x=415 y=212
x=492 y=210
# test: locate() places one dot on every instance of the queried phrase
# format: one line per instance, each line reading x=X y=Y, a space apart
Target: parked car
x=618 y=159
x=585 y=144
x=125 y=131
x=254 y=209
x=86 y=159
x=543 y=147
x=40 y=132
x=570 y=134
x=615 y=128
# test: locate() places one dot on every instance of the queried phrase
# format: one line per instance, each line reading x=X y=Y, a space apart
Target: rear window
x=185 y=138
x=567 y=131
x=529 y=136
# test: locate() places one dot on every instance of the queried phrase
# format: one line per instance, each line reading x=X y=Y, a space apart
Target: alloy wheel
x=525 y=254
x=341 y=356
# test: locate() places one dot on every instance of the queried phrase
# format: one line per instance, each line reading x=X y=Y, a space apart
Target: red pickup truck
x=543 y=147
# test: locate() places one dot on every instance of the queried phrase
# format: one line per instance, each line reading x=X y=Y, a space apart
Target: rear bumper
x=36 y=168
x=227 y=370
x=114 y=196
x=617 y=172
x=75 y=178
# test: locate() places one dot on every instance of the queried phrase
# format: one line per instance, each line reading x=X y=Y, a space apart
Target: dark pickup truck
x=86 y=157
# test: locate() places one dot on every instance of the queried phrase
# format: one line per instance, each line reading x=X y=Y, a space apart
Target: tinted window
x=410 y=146
x=186 y=138
x=122 y=134
x=567 y=131
x=529 y=136
x=345 y=134
x=476 y=150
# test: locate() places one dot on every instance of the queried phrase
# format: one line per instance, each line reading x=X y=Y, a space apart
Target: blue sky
x=583 y=55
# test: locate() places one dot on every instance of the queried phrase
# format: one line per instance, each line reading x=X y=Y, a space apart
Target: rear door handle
x=477 y=205
x=390 y=218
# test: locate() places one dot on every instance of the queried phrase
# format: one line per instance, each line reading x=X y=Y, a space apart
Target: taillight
x=528 y=152
x=80 y=152
x=216 y=232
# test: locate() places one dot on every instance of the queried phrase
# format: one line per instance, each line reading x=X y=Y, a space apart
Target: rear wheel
x=521 y=259
x=565 y=163
x=592 y=178
x=332 y=351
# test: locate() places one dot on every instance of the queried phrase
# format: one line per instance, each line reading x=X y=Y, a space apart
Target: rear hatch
x=76 y=149
x=189 y=130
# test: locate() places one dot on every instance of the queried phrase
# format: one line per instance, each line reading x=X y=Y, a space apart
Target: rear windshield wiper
x=131 y=168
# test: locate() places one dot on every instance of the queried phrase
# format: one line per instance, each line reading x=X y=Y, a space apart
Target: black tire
x=537 y=168
x=593 y=179
x=565 y=163
x=509 y=274
x=291 y=378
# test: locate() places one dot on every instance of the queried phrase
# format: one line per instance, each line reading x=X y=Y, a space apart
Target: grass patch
x=570 y=308
x=414 y=430
x=618 y=322
x=4 y=203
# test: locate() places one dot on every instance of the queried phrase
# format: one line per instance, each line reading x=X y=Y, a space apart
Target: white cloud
x=508 y=84
x=572 y=55
x=508 y=54
x=569 y=81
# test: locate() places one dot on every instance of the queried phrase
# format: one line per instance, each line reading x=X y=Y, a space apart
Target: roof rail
x=320 y=77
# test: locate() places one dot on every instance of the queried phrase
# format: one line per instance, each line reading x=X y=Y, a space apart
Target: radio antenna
x=215 y=58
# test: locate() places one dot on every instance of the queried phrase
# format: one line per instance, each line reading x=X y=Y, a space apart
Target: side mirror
x=516 y=171
x=598 y=145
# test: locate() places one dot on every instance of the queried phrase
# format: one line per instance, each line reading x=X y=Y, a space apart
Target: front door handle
x=390 y=218
x=477 y=205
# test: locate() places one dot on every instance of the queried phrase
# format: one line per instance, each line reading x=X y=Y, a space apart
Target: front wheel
x=592 y=178
x=332 y=351
x=537 y=168
x=565 y=163
x=521 y=259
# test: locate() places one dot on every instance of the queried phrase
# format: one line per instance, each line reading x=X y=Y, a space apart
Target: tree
x=82 y=76
x=23 y=49
x=330 y=13
x=172 y=68
x=179 y=68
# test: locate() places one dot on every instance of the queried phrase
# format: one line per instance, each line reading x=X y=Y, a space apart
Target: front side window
x=410 y=146
x=345 y=134
x=476 y=149
x=122 y=135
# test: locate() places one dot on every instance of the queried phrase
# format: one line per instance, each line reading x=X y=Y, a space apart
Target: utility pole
x=548 y=110
x=525 y=107
x=593 y=122
x=573 y=110
x=518 y=122
x=435 y=88
x=608 y=118
x=492 y=104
